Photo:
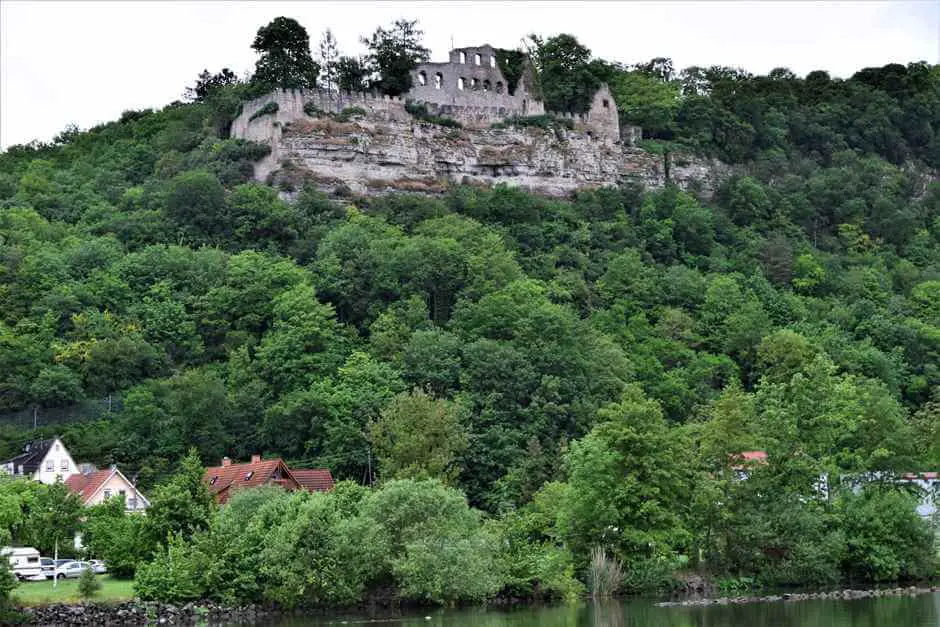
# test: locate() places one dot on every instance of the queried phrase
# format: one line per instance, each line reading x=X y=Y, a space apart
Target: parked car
x=99 y=565
x=24 y=561
x=73 y=569
x=48 y=566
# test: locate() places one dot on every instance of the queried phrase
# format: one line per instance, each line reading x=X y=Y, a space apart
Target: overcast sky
x=86 y=62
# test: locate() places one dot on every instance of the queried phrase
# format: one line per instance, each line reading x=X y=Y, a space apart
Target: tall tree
x=394 y=53
x=285 y=59
x=329 y=57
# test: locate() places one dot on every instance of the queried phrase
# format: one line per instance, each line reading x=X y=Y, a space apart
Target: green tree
x=419 y=436
x=182 y=505
x=629 y=484
x=393 y=54
x=285 y=59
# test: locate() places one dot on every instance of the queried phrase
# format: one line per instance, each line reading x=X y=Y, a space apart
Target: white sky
x=86 y=62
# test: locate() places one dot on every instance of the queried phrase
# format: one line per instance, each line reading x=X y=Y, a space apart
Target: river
x=918 y=611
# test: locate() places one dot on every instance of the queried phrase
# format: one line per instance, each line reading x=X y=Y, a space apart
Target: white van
x=24 y=560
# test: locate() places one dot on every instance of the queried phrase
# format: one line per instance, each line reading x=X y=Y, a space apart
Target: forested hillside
x=603 y=355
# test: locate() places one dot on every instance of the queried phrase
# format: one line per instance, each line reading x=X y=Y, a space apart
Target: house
x=96 y=487
x=223 y=480
x=46 y=461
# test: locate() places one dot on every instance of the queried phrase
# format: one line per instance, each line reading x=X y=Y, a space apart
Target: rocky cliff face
x=387 y=149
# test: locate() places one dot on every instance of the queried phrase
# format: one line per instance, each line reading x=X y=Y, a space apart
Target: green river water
x=917 y=611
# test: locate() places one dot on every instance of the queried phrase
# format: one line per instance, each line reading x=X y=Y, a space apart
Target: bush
x=420 y=112
x=174 y=576
x=88 y=584
x=268 y=109
x=546 y=122
x=348 y=113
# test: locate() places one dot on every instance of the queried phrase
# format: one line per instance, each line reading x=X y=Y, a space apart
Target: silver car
x=74 y=569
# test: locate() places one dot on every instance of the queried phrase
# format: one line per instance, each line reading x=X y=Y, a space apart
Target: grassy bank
x=66 y=591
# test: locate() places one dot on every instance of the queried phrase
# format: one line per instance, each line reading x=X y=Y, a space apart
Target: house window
x=463 y=57
x=474 y=83
x=64 y=465
x=438 y=80
x=107 y=494
x=50 y=465
x=122 y=492
x=132 y=503
x=477 y=59
x=57 y=448
x=493 y=61
x=486 y=85
x=461 y=83
x=606 y=103
x=499 y=87
x=422 y=78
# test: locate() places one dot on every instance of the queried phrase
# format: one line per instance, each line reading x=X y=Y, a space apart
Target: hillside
x=796 y=310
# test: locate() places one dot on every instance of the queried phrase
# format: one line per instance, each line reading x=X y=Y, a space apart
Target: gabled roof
x=87 y=486
x=29 y=460
x=221 y=479
x=314 y=479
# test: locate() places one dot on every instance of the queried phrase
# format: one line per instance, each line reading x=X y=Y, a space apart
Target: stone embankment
x=836 y=595
x=140 y=613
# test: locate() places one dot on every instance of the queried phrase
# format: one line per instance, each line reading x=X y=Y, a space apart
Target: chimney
x=226 y=461
x=256 y=459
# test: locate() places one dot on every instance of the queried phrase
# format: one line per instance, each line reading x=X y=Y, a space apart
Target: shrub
x=88 y=585
x=546 y=122
x=174 y=576
x=420 y=112
x=268 y=109
x=349 y=112
x=313 y=110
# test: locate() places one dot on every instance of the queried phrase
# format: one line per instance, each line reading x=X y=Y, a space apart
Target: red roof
x=753 y=456
x=85 y=486
x=314 y=480
x=221 y=479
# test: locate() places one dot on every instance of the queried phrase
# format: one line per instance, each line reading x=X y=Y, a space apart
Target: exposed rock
x=387 y=149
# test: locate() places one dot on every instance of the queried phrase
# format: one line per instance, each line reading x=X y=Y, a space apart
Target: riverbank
x=139 y=613
x=840 y=595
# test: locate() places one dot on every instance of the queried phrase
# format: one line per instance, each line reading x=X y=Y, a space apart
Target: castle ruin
x=370 y=143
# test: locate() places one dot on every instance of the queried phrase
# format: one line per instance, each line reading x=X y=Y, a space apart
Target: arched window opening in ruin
x=461 y=83
x=486 y=85
x=438 y=80
x=492 y=61
x=606 y=103
x=463 y=57
x=474 y=83
x=477 y=59
x=499 y=87
x=422 y=78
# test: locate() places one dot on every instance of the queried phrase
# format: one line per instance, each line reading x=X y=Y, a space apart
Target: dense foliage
x=584 y=371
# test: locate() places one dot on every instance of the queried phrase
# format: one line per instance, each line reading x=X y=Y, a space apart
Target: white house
x=47 y=461
x=96 y=487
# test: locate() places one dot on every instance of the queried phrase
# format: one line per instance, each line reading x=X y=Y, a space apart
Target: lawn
x=66 y=591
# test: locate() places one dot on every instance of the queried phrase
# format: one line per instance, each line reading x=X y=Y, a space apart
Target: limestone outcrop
x=372 y=144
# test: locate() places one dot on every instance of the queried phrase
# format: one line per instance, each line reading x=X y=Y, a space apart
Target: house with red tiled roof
x=223 y=480
x=97 y=486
